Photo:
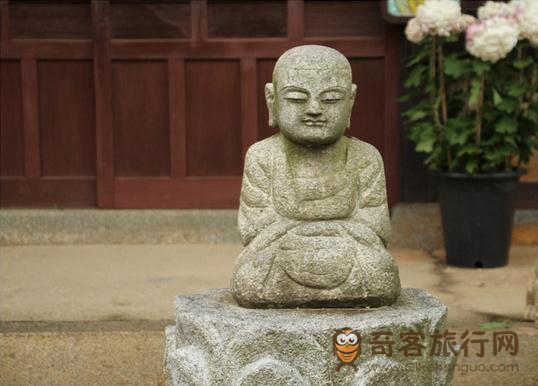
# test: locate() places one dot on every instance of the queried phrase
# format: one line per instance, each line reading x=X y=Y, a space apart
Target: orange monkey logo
x=347 y=347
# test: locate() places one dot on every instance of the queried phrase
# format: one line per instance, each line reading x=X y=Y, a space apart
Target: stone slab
x=415 y=226
x=216 y=342
x=103 y=226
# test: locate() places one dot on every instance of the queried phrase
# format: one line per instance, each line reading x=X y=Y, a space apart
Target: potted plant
x=472 y=108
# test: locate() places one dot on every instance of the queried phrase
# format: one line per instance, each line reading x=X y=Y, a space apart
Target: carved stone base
x=216 y=342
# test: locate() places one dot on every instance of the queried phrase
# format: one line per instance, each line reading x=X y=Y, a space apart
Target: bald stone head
x=312 y=95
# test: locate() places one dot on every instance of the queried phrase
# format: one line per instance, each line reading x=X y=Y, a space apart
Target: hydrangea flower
x=414 y=31
x=526 y=16
x=463 y=22
x=438 y=17
x=492 y=39
x=496 y=9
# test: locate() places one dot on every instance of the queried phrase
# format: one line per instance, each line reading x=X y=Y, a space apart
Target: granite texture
x=217 y=342
x=313 y=213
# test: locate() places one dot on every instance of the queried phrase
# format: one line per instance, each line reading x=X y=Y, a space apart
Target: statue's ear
x=351 y=103
x=270 y=100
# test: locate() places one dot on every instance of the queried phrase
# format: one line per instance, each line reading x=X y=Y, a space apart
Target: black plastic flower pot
x=477 y=213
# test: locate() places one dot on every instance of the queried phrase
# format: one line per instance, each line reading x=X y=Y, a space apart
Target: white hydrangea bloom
x=413 y=31
x=437 y=17
x=492 y=39
x=495 y=9
x=526 y=16
x=463 y=22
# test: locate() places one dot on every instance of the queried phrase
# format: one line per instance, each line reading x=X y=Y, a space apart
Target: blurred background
x=145 y=105
x=151 y=104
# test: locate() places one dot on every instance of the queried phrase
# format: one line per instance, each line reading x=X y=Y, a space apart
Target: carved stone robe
x=314 y=240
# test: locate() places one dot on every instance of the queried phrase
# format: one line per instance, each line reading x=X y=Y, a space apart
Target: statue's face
x=312 y=106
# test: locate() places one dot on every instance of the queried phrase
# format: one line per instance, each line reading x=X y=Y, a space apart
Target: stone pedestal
x=216 y=342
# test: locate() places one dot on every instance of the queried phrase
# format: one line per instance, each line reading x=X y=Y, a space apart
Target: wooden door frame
x=178 y=190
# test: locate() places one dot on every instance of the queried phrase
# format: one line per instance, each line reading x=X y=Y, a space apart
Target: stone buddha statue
x=313 y=211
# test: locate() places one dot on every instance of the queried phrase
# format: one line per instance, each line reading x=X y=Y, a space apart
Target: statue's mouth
x=310 y=122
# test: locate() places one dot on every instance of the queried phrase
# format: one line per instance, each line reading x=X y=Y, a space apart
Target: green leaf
x=496 y=325
x=507 y=105
x=522 y=63
x=480 y=67
x=470 y=148
x=471 y=166
x=417 y=58
x=517 y=89
x=404 y=98
x=473 y=95
x=455 y=138
x=414 y=77
x=454 y=67
x=497 y=98
x=415 y=115
x=452 y=38
x=506 y=126
x=425 y=146
x=533 y=116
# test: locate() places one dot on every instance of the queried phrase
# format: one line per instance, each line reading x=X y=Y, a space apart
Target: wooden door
x=153 y=104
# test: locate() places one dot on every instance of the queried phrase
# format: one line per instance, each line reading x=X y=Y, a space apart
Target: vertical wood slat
x=30 y=117
x=199 y=19
x=295 y=19
x=392 y=129
x=249 y=103
x=177 y=119
x=4 y=21
x=103 y=104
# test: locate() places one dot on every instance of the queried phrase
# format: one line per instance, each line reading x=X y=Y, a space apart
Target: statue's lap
x=316 y=271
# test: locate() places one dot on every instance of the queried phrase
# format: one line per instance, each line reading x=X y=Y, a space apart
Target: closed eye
x=296 y=96
x=332 y=97
x=296 y=100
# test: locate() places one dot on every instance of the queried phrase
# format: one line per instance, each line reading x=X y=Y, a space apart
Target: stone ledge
x=418 y=226
x=100 y=226
x=415 y=226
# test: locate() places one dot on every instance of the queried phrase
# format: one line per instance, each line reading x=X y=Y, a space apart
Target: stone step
x=415 y=226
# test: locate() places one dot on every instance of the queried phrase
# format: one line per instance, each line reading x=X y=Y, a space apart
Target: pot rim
x=513 y=174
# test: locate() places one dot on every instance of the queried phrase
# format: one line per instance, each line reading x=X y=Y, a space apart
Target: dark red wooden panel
x=142 y=140
x=104 y=133
x=249 y=103
x=238 y=48
x=342 y=18
x=368 y=118
x=295 y=20
x=213 y=118
x=67 y=118
x=48 y=192
x=50 y=19
x=4 y=21
x=265 y=75
x=176 y=104
x=195 y=192
x=166 y=20
x=245 y=18
x=392 y=153
x=30 y=117
x=11 y=129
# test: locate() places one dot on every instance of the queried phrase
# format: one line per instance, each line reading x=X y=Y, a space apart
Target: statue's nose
x=314 y=108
